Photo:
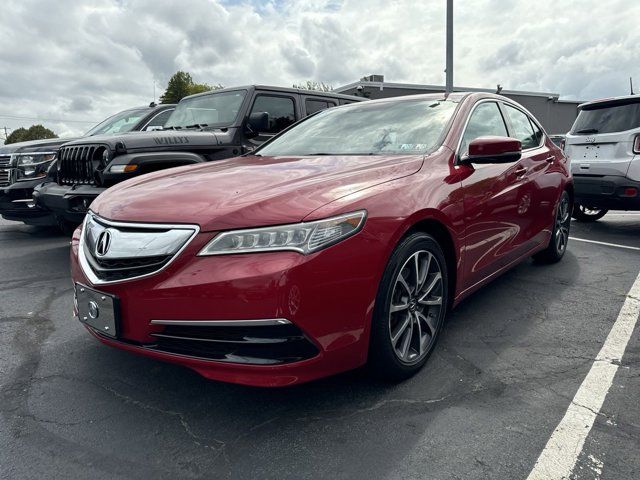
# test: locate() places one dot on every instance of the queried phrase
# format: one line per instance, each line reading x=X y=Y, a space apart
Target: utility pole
x=449 y=65
x=631 y=84
x=6 y=133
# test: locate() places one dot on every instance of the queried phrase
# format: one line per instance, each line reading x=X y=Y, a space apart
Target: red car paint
x=492 y=215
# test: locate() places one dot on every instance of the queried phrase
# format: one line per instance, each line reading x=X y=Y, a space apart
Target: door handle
x=550 y=159
x=520 y=172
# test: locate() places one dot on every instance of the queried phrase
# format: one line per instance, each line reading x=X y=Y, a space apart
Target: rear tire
x=410 y=308
x=587 y=214
x=560 y=233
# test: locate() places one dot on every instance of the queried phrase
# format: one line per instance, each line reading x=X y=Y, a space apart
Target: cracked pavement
x=508 y=365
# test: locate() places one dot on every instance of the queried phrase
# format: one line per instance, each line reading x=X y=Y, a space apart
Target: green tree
x=311 y=85
x=181 y=84
x=34 y=132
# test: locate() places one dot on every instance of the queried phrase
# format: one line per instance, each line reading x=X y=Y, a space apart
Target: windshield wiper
x=588 y=130
x=173 y=127
x=198 y=125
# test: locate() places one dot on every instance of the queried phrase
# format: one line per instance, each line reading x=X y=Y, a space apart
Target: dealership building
x=556 y=115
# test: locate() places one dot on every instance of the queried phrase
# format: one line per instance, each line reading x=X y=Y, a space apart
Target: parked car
x=343 y=240
x=208 y=126
x=604 y=149
x=24 y=165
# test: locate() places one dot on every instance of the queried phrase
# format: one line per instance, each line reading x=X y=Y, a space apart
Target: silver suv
x=604 y=150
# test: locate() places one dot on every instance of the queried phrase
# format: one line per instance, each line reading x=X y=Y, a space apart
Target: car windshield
x=393 y=127
x=119 y=123
x=212 y=110
x=607 y=119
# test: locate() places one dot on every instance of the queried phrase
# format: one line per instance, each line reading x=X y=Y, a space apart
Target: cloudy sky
x=68 y=64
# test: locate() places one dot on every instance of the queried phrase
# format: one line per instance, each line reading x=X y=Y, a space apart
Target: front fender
x=147 y=162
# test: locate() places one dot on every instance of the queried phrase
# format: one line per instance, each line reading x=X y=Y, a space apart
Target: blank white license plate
x=97 y=309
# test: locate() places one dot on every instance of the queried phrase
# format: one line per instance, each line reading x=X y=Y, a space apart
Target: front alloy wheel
x=415 y=307
x=410 y=307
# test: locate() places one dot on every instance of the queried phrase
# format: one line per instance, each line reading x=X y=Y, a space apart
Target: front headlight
x=32 y=165
x=305 y=238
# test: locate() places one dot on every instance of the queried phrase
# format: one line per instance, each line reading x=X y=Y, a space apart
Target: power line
x=18 y=117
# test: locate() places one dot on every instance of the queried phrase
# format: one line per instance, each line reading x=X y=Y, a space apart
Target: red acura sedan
x=342 y=241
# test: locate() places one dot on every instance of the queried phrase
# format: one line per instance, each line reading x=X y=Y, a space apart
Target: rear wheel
x=583 y=213
x=560 y=233
x=410 y=308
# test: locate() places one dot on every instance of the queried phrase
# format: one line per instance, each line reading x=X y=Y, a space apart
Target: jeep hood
x=248 y=191
x=163 y=140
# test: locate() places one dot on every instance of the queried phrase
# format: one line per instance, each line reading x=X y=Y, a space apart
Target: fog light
x=630 y=191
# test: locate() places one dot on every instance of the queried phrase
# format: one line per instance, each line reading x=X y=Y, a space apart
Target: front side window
x=210 y=110
x=522 y=129
x=119 y=123
x=485 y=120
x=159 y=120
x=369 y=128
x=281 y=111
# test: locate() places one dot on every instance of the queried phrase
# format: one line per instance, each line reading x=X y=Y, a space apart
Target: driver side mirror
x=256 y=123
x=488 y=149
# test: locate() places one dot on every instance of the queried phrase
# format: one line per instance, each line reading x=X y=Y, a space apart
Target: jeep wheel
x=583 y=213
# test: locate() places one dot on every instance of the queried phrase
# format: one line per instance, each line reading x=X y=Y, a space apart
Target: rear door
x=493 y=199
x=315 y=104
x=601 y=139
x=539 y=190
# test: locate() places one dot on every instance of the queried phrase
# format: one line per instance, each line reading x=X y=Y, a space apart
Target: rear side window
x=614 y=118
x=485 y=120
x=522 y=129
x=281 y=111
x=313 y=106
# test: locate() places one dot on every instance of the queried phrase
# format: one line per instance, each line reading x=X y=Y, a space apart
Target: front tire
x=587 y=214
x=560 y=233
x=410 y=308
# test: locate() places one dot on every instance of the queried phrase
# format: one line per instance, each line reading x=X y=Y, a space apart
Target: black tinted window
x=313 y=106
x=281 y=111
x=159 y=120
x=522 y=129
x=616 y=118
x=486 y=120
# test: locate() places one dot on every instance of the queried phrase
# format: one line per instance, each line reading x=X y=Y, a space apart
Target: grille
x=113 y=251
x=4 y=170
x=265 y=345
x=78 y=164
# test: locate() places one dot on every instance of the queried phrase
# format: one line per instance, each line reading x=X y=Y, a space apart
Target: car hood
x=34 y=145
x=248 y=191
x=164 y=140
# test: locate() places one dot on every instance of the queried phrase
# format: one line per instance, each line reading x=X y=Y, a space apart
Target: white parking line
x=559 y=456
x=627 y=247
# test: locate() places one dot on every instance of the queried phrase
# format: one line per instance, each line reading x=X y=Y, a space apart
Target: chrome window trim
x=224 y=323
x=84 y=263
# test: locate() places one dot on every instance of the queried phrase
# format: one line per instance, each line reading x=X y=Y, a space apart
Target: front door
x=494 y=196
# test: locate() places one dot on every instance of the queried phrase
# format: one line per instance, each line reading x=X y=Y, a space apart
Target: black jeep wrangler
x=208 y=126
x=24 y=165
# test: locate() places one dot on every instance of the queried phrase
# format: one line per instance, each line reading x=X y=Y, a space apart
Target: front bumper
x=606 y=192
x=17 y=204
x=328 y=297
x=69 y=203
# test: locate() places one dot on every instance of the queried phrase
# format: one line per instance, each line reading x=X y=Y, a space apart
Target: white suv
x=604 y=150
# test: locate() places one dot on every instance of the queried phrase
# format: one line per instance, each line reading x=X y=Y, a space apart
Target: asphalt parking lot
x=508 y=365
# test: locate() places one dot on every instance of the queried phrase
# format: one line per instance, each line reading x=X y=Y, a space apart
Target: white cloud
x=84 y=60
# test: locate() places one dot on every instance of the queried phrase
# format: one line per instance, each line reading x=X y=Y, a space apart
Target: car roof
x=609 y=102
x=272 y=88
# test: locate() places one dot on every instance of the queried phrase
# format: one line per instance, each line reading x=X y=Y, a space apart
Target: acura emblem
x=103 y=244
